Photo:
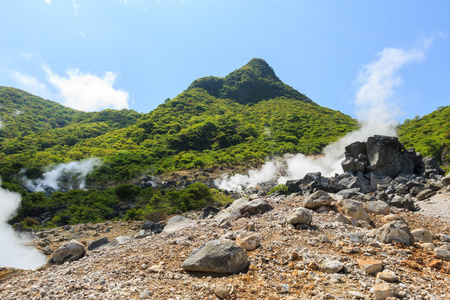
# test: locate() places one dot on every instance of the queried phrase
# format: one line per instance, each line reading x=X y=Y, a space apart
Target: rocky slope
x=326 y=260
x=378 y=231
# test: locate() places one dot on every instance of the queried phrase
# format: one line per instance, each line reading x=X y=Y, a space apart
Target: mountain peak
x=261 y=68
x=254 y=82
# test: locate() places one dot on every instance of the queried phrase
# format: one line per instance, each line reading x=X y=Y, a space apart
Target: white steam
x=376 y=113
x=64 y=176
x=14 y=252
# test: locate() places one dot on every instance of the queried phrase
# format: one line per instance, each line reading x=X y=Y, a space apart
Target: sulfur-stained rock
x=370 y=266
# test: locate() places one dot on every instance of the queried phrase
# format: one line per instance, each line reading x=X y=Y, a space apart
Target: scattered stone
x=153 y=226
x=70 y=251
x=395 y=231
x=377 y=207
x=387 y=275
x=436 y=264
x=218 y=256
x=383 y=291
x=331 y=266
x=178 y=223
x=370 y=266
x=248 y=242
x=425 y=194
x=210 y=211
x=300 y=215
x=283 y=289
x=222 y=292
x=318 y=199
x=422 y=235
x=442 y=252
x=343 y=219
x=355 y=210
x=97 y=243
x=120 y=240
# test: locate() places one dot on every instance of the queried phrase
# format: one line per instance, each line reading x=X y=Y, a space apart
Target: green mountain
x=248 y=115
x=254 y=82
x=430 y=134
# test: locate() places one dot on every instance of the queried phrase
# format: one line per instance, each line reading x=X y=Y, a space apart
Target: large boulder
x=383 y=156
x=317 y=199
x=432 y=167
x=218 y=256
x=396 y=230
x=70 y=251
x=388 y=157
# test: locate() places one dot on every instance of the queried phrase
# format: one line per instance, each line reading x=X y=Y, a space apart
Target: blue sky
x=134 y=54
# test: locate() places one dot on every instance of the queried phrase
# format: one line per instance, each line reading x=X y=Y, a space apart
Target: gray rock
x=331 y=266
x=442 y=253
x=403 y=202
x=387 y=157
x=219 y=256
x=242 y=206
x=317 y=199
x=248 y=242
x=210 y=210
x=178 y=223
x=120 y=240
x=70 y=251
x=97 y=243
x=432 y=167
x=153 y=226
x=377 y=208
x=395 y=231
x=425 y=194
x=257 y=206
x=343 y=219
x=355 y=210
x=422 y=235
x=300 y=215
x=446 y=180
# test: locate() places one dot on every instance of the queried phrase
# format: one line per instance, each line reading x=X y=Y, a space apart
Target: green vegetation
x=239 y=119
x=124 y=202
x=280 y=187
x=430 y=135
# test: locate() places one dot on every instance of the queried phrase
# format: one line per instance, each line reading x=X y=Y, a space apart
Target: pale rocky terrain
x=320 y=261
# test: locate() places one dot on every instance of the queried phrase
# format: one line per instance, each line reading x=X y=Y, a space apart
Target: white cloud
x=27 y=55
x=75 y=6
x=48 y=1
x=88 y=92
x=32 y=85
x=80 y=32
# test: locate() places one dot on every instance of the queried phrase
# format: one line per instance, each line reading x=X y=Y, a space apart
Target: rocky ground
x=326 y=260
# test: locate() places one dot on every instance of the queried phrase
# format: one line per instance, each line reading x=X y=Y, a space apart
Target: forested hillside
x=256 y=115
x=244 y=117
x=429 y=134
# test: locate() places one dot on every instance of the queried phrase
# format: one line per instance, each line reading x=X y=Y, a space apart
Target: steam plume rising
x=376 y=113
x=72 y=174
x=13 y=252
